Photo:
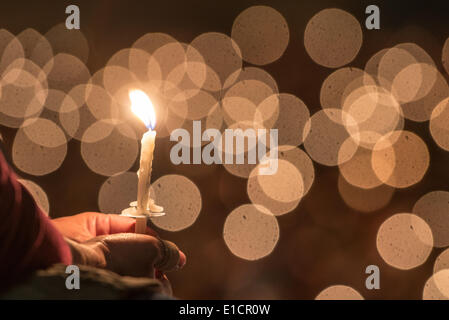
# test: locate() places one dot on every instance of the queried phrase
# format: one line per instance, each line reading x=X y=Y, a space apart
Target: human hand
x=107 y=241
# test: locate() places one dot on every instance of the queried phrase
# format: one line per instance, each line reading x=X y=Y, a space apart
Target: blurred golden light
x=262 y=34
x=358 y=170
x=372 y=64
x=400 y=159
x=282 y=192
x=38 y=194
x=364 y=200
x=65 y=71
x=413 y=82
x=336 y=87
x=23 y=92
x=404 y=241
x=252 y=73
x=100 y=103
x=36 y=47
x=73 y=41
x=439 y=124
x=289 y=115
x=238 y=109
x=327 y=135
x=333 y=38
x=433 y=207
x=109 y=149
x=421 y=110
x=286 y=185
x=437 y=286
x=37 y=159
x=445 y=55
x=339 y=292
x=117 y=192
x=442 y=261
x=242 y=99
x=251 y=232
x=376 y=113
x=11 y=48
x=199 y=105
x=391 y=63
x=152 y=41
x=222 y=56
x=181 y=200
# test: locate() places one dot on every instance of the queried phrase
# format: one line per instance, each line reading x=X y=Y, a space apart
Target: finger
x=74 y=227
x=172 y=257
x=182 y=260
x=122 y=224
x=113 y=223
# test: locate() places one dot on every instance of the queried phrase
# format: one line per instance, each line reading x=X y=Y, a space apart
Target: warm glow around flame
x=142 y=107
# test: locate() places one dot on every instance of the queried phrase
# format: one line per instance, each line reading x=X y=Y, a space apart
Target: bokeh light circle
x=325 y=141
x=65 y=71
x=442 y=261
x=333 y=38
x=375 y=112
x=251 y=232
x=286 y=185
x=221 y=55
x=36 y=47
x=439 y=124
x=364 y=200
x=68 y=41
x=290 y=116
x=44 y=132
x=445 y=55
x=358 y=170
x=107 y=151
x=36 y=159
x=117 y=192
x=340 y=83
x=437 y=286
x=280 y=192
x=252 y=73
x=262 y=34
x=433 y=207
x=400 y=159
x=38 y=194
x=339 y=292
x=181 y=200
x=404 y=241
x=420 y=110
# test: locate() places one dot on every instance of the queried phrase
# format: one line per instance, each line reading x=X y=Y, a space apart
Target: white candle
x=144 y=207
x=141 y=105
x=146 y=163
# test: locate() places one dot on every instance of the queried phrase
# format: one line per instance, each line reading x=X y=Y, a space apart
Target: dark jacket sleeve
x=28 y=239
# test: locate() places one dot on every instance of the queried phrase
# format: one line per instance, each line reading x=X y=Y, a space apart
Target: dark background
x=323 y=242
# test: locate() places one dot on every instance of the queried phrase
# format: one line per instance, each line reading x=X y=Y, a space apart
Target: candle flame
x=142 y=107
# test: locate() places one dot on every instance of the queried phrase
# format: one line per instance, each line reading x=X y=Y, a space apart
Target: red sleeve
x=28 y=239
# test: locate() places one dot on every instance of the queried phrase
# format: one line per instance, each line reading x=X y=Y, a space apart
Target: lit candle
x=144 y=207
x=143 y=108
x=146 y=161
